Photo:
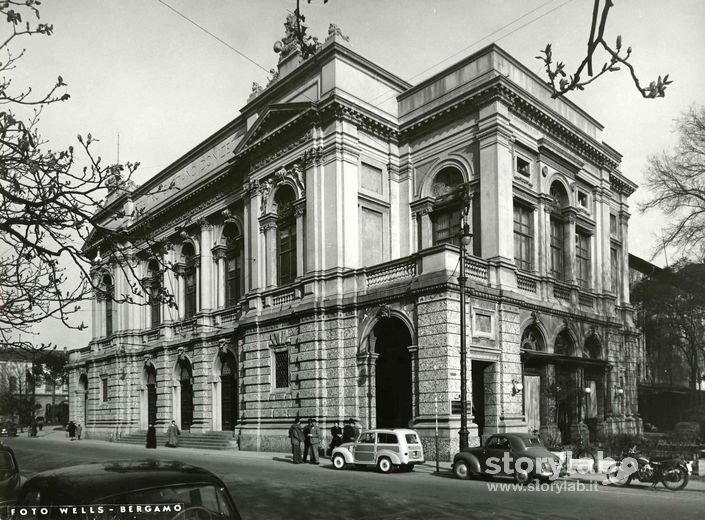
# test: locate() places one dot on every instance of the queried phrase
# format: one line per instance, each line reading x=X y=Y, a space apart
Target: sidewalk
x=695 y=482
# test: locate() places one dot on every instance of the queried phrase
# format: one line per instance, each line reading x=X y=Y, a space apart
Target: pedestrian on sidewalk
x=151 y=437
x=79 y=430
x=349 y=431
x=336 y=437
x=307 y=440
x=314 y=440
x=71 y=428
x=172 y=435
x=296 y=436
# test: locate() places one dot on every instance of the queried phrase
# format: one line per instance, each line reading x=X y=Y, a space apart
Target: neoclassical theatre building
x=315 y=250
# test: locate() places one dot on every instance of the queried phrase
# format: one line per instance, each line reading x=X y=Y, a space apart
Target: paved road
x=268 y=486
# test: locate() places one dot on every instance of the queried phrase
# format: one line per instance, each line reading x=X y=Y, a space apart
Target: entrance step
x=204 y=440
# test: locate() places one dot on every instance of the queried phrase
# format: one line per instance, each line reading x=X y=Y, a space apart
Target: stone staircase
x=204 y=440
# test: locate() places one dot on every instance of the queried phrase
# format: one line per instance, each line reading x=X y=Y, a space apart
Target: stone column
x=570 y=244
x=220 y=276
x=181 y=288
x=206 y=270
x=624 y=261
x=170 y=284
x=299 y=213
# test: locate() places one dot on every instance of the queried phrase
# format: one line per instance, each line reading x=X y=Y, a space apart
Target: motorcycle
x=672 y=472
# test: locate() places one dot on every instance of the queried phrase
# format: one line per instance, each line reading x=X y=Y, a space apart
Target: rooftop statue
x=296 y=38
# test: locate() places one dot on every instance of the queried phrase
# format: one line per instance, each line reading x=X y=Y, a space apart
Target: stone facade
x=314 y=251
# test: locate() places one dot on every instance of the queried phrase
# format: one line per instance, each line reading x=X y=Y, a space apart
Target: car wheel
x=521 y=477
x=461 y=470
x=410 y=467
x=618 y=476
x=385 y=465
x=338 y=461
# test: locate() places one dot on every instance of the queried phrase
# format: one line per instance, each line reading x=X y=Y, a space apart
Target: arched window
x=447 y=210
x=286 y=235
x=155 y=292
x=233 y=263
x=564 y=344
x=190 y=282
x=109 y=291
x=593 y=348
x=532 y=339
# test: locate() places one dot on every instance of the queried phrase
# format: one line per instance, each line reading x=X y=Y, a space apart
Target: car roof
x=389 y=430
x=94 y=481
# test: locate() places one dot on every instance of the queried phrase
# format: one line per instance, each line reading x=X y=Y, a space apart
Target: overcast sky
x=137 y=68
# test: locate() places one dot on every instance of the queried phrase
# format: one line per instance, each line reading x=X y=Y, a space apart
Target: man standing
x=307 y=440
x=315 y=440
x=172 y=435
x=349 y=431
x=296 y=435
x=336 y=437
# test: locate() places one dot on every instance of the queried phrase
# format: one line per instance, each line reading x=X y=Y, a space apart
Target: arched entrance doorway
x=228 y=390
x=185 y=378
x=393 y=373
x=150 y=376
x=83 y=385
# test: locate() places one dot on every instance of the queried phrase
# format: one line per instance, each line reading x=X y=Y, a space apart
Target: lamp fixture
x=517 y=387
x=588 y=390
x=620 y=391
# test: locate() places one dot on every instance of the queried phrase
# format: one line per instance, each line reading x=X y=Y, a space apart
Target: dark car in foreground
x=162 y=489
x=519 y=455
x=9 y=476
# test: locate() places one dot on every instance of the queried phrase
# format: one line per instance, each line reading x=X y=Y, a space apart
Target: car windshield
x=199 y=501
x=533 y=441
x=411 y=438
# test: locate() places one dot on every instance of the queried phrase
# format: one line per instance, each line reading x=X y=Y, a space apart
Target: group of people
x=310 y=437
x=74 y=430
x=172 y=436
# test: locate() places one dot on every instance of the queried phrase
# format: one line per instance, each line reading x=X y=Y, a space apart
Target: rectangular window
x=557 y=250
x=371 y=236
x=615 y=253
x=281 y=369
x=582 y=257
x=583 y=199
x=104 y=389
x=483 y=324
x=233 y=285
x=446 y=226
x=523 y=167
x=614 y=228
x=287 y=253
x=523 y=237
x=154 y=302
x=371 y=178
x=109 y=314
x=190 y=282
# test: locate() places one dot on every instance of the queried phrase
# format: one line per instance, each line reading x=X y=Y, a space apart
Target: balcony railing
x=391 y=272
x=477 y=269
x=561 y=292
x=526 y=283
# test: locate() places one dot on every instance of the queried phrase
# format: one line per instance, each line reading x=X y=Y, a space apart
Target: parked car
x=535 y=460
x=9 y=476
x=159 y=485
x=387 y=449
x=8 y=430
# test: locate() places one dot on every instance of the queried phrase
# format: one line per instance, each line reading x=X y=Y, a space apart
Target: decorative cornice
x=621 y=184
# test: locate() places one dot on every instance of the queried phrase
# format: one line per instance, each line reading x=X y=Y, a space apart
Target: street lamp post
x=465 y=238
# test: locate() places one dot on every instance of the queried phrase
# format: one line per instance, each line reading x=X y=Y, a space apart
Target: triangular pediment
x=275 y=119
